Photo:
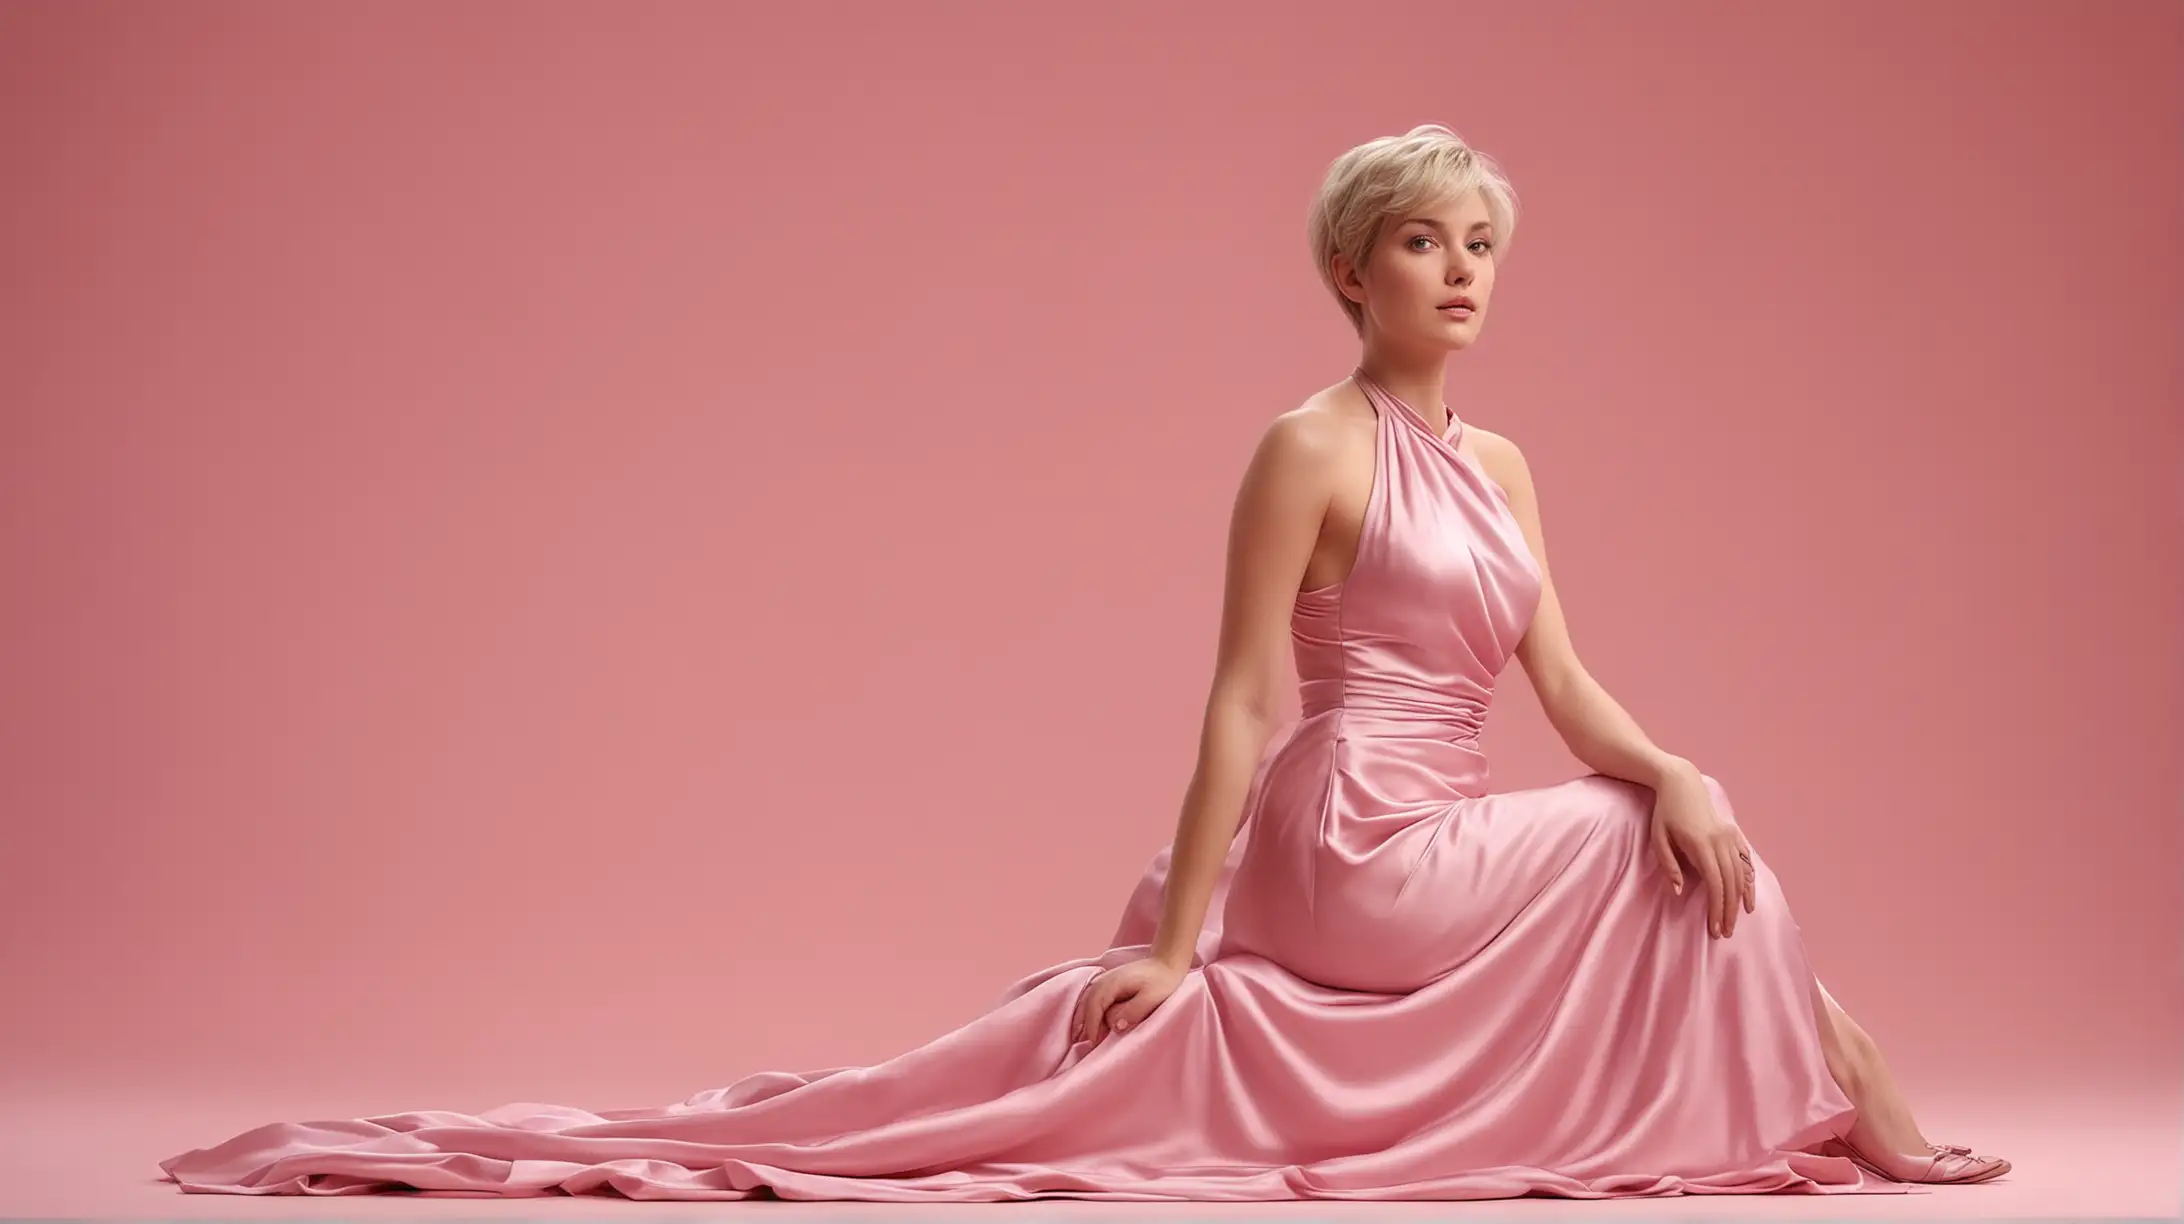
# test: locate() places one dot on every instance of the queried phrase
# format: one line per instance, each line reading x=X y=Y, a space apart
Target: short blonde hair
x=1390 y=177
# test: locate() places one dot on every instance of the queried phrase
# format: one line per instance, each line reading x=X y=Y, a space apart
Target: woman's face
x=1423 y=260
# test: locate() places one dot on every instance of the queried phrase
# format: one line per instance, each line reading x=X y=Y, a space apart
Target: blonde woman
x=1357 y=973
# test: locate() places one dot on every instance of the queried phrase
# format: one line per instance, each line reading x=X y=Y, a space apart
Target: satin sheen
x=1407 y=987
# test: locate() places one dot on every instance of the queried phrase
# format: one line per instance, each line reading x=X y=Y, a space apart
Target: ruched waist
x=1378 y=760
x=1457 y=723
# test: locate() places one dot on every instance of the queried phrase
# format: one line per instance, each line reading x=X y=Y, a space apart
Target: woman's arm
x=1273 y=529
x=1598 y=730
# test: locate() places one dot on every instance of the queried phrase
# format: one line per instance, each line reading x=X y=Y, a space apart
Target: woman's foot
x=1885 y=1139
x=1943 y=1164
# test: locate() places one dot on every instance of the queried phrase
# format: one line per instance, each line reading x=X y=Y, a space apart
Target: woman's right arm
x=1273 y=528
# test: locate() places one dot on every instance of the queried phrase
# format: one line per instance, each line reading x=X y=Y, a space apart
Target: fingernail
x=1120 y=1025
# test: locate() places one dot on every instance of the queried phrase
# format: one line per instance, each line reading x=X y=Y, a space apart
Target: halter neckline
x=1449 y=433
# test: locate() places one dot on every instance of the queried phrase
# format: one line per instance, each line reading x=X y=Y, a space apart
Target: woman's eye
x=1483 y=242
x=1420 y=238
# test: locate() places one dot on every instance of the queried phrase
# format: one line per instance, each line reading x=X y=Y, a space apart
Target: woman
x=1356 y=973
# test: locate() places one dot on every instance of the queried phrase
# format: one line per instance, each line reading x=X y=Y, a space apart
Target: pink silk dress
x=1407 y=986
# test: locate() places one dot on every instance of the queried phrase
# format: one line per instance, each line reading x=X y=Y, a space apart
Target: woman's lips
x=1457 y=312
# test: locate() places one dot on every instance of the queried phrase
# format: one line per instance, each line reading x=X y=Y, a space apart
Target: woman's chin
x=1457 y=334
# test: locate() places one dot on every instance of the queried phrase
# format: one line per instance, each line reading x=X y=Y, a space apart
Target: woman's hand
x=1684 y=819
x=1119 y=998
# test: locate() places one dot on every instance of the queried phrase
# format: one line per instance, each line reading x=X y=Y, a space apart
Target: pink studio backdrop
x=577 y=552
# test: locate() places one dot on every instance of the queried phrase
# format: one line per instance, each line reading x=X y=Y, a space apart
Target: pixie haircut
x=1391 y=177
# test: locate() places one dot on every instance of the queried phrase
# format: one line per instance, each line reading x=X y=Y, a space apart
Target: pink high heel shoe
x=1947 y=1164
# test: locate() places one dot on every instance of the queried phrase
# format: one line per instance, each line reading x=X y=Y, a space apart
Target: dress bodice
x=1443 y=589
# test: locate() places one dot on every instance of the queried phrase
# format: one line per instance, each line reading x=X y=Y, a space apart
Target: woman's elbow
x=1255 y=701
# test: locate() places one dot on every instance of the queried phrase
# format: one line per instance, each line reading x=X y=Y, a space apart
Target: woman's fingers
x=1664 y=851
x=1710 y=870
x=1109 y=1007
x=1113 y=993
x=1740 y=900
x=1732 y=885
x=1093 y=1004
x=1740 y=869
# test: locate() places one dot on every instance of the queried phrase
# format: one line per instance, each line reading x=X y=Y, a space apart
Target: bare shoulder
x=1309 y=440
x=1501 y=458
x=1335 y=413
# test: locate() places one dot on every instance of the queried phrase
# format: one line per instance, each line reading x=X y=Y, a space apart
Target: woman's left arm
x=1598 y=730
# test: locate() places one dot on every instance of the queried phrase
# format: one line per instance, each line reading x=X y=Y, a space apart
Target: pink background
x=576 y=552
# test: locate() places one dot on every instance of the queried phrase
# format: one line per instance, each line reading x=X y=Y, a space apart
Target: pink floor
x=93 y=1153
